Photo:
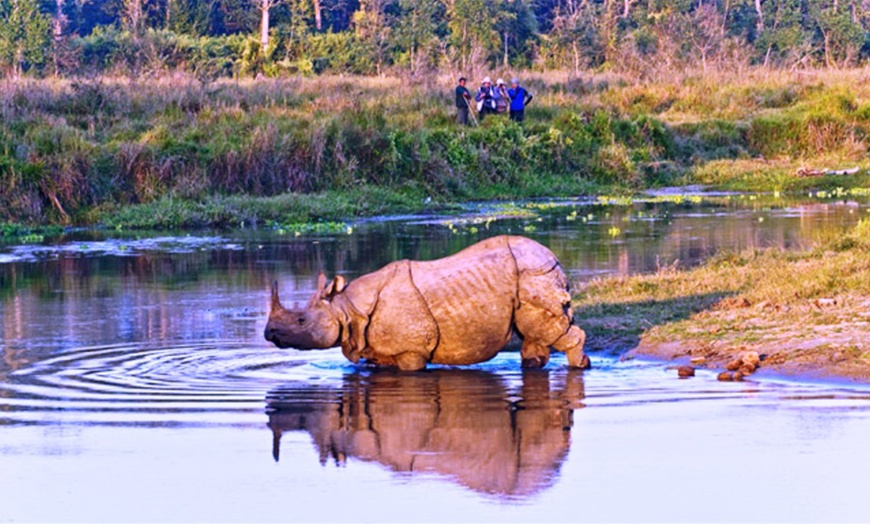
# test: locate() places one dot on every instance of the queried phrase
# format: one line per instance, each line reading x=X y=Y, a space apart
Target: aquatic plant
x=313 y=228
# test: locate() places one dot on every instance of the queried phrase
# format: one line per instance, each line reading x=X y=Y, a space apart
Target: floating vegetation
x=19 y=234
x=499 y=211
x=314 y=228
x=677 y=199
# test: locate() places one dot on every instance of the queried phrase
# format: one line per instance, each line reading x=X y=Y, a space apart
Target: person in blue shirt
x=520 y=98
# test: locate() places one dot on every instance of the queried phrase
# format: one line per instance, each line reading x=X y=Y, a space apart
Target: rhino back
x=472 y=296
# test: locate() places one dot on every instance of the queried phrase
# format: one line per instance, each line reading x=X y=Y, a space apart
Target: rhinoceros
x=457 y=310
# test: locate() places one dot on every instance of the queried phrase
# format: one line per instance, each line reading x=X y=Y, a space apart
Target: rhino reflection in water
x=472 y=426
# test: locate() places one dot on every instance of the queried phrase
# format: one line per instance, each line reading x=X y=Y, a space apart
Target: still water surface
x=135 y=386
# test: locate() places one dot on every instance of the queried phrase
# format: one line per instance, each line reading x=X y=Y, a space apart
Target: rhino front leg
x=534 y=355
x=410 y=361
x=571 y=343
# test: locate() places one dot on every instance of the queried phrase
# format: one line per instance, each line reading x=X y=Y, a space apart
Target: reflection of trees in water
x=474 y=427
x=218 y=293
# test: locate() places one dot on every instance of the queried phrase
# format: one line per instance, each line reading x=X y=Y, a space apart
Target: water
x=135 y=386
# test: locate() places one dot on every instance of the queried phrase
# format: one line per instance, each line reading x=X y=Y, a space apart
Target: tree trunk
x=576 y=57
x=59 y=19
x=134 y=9
x=264 y=25
x=58 y=24
x=506 y=49
x=318 y=16
x=760 y=23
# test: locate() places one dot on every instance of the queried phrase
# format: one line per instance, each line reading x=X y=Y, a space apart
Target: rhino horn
x=276 y=302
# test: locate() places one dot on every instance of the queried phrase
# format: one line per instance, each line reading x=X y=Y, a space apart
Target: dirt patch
x=829 y=338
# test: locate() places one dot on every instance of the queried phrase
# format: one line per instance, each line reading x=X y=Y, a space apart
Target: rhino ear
x=333 y=288
x=338 y=283
x=320 y=290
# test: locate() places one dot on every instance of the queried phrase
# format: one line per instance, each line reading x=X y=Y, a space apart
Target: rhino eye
x=300 y=320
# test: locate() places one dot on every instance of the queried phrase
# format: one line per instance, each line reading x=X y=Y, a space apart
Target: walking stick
x=471 y=111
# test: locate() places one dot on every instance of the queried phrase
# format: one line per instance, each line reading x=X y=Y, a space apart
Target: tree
x=134 y=15
x=265 y=6
x=370 y=27
x=573 y=40
x=473 y=33
x=517 y=26
x=841 y=36
x=25 y=36
x=781 y=33
x=702 y=29
x=416 y=29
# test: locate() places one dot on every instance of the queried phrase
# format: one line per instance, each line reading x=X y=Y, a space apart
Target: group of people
x=492 y=99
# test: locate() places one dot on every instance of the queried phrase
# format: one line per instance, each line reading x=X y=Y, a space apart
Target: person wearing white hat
x=501 y=97
x=485 y=98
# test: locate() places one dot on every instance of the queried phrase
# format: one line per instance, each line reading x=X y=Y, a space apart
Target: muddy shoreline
x=792 y=343
x=807 y=314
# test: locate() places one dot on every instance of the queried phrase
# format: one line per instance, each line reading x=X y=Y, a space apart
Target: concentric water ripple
x=186 y=377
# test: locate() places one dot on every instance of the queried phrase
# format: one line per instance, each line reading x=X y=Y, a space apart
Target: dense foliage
x=272 y=37
x=70 y=149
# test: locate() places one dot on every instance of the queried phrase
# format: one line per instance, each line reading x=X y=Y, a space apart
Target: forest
x=210 y=39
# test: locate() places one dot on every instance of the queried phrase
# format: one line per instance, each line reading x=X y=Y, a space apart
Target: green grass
x=288 y=211
x=180 y=153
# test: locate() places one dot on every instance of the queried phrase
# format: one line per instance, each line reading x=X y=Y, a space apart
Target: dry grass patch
x=808 y=312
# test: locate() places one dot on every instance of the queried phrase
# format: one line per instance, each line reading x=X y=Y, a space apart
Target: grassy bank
x=806 y=311
x=176 y=152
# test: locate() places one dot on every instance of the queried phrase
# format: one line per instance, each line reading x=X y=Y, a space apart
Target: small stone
x=746 y=370
x=734 y=365
x=686 y=371
x=737 y=376
x=751 y=358
x=698 y=360
x=725 y=376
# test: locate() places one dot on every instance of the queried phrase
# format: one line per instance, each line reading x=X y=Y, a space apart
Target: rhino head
x=315 y=326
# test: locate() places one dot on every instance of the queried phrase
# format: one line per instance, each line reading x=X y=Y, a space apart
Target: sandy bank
x=806 y=313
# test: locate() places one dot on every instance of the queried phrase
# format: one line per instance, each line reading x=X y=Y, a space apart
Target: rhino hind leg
x=410 y=361
x=543 y=327
x=571 y=343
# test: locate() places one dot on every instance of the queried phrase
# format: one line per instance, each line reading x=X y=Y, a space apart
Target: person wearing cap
x=485 y=98
x=501 y=96
x=520 y=98
x=463 y=102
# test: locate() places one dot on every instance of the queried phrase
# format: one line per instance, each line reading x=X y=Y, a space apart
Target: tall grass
x=70 y=147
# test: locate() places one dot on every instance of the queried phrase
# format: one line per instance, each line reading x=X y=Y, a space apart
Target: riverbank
x=806 y=313
x=176 y=152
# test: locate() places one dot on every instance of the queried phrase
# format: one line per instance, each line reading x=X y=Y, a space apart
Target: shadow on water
x=485 y=431
x=618 y=327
